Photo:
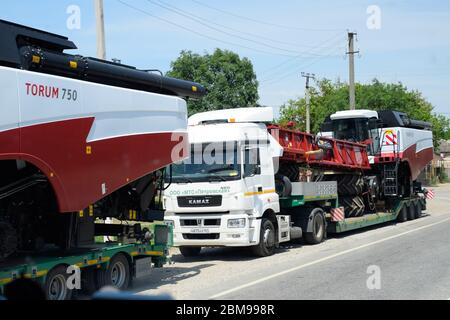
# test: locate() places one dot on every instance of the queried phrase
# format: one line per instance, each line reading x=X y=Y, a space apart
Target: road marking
x=221 y=294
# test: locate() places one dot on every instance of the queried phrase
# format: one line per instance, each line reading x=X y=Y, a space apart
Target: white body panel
x=405 y=138
x=117 y=111
x=234 y=115
x=354 y=114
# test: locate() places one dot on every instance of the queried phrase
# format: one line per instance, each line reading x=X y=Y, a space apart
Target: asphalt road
x=394 y=261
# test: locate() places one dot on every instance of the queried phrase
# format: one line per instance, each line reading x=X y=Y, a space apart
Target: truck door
x=252 y=171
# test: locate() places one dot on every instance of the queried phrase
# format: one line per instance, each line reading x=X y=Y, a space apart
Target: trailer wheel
x=190 y=251
x=411 y=212
x=418 y=211
x=56 y=284
x=117 y=274
x=318 y=228
x=266 y=246
x=403 y=215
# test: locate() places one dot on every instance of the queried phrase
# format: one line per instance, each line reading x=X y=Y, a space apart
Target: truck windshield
x=209 y=162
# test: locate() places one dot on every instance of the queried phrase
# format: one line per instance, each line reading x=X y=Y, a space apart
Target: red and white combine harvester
x=80 y=139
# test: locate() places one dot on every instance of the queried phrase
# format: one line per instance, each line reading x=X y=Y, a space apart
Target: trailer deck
x=36 y=266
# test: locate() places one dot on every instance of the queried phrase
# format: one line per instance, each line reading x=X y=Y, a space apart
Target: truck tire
x=350 y=185
x=56 y=284
x=353 y=206
x=418 y=211
x=117 y=274
x=8 y=240
x=190 y=251
x=411 y=211
x=283 y=186
x=403 y=215
x=318 y=228
x=267 y=239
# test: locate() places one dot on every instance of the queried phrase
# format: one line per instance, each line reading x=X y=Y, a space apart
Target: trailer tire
x=318 y=228
x=89 y=283
x=353 y=206
x=8 y=240
x=190 y=251
x=117 y=274
x=403 y=215
x=56 y=284
x=418 y=211
x=283 y=186
x=411 y=211
x=267 y=239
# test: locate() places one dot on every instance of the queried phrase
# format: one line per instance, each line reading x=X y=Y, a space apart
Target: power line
x=297 y=57
x=297 y=70
x=207 y=25
x=291 y=44
x=258 y=21
x=198 y=33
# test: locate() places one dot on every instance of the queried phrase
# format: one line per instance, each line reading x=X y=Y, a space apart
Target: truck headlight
x=236 y=223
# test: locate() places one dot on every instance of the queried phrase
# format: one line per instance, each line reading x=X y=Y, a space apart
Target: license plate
x=199 y=230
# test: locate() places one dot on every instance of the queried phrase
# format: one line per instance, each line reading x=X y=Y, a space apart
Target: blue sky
x=411 y=46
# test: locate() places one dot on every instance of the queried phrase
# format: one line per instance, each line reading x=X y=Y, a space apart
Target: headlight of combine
x=236 y=223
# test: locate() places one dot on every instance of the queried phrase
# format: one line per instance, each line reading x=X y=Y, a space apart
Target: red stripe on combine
x=59 y=148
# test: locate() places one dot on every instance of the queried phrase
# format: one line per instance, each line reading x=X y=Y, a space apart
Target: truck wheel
x=56 y=284
x=266 y=246
x=353 y=206
x=318 y=228
x=117 y=274
x=403 y=215
x=8 y=240
x=190 y=251
x=418 y=212
x=283 y=186
x=411 y=212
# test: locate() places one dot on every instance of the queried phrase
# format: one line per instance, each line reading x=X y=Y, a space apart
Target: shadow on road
x=167 y=275
x=222 y=254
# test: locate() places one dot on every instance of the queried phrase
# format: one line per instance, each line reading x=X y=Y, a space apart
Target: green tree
x=230 y=81
x=328 y=97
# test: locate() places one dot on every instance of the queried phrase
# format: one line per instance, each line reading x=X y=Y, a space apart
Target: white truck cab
x=219 y=195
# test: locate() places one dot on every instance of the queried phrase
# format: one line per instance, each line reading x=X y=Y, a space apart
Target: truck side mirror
x=257 y=170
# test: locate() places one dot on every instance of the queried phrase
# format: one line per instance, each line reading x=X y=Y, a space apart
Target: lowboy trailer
x=250 y=183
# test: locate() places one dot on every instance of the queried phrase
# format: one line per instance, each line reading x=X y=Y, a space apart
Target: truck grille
x=199 y=201
x=201 y=236
x=200 y=222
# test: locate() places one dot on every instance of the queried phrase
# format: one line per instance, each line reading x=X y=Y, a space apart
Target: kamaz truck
x=82 y=140
x=250 y=183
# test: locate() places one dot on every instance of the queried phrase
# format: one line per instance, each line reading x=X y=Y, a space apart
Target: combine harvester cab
x=81 y=139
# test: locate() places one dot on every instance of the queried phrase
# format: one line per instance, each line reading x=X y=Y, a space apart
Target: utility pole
x=351 y=52
x=308 y=98
x=99 y=16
